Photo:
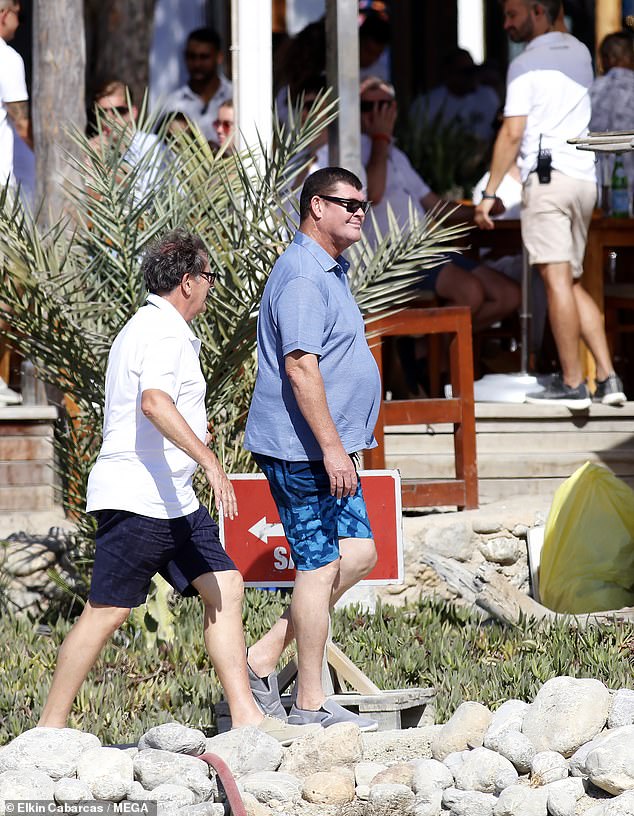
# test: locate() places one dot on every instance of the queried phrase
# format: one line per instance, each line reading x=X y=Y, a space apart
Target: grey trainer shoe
x=558 y=393
x=285 y=733
x=329 y=714
x=266 y=694
x=610 y=391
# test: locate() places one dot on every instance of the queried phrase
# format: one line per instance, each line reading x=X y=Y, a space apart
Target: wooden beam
x=608 y=17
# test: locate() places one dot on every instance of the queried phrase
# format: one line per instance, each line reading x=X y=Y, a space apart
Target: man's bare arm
x=504 y=155
x=307 y=383
x=18 y=113
x=159 y=408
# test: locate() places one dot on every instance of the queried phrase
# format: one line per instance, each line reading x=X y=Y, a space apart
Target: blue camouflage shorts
x=313 y=520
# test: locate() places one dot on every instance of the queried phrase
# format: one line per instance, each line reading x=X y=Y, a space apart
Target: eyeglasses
x=225 y=124
x=351 y=204
x=210 y=277
x=367 y=105
x=120 y=109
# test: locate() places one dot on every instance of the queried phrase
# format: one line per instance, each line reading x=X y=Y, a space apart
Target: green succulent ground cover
x=427 y=643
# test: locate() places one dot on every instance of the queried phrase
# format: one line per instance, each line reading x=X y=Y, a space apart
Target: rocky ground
x=569 y=752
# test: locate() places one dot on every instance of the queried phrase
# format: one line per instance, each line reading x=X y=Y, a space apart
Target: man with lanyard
x=315 y=404
x=547 y=103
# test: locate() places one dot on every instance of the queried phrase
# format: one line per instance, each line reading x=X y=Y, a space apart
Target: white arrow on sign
x=264 y=530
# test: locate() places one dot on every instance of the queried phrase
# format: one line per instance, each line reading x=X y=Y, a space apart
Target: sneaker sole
x=614 y=399
x=365 y=729
x=572 y=404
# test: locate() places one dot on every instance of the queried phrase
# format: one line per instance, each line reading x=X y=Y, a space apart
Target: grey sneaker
x=285 y=733
x=610 y=391
x=266 y=694
x=329 y=714
x=558 y=393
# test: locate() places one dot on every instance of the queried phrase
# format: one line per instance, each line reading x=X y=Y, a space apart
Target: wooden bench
x=458 y=410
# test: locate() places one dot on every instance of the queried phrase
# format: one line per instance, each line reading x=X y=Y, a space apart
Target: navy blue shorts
x=428 y=282
x=313 y=520
x=132 y=548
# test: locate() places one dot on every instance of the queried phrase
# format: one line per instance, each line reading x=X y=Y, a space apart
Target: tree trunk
x=119 y=36
x=59 y=58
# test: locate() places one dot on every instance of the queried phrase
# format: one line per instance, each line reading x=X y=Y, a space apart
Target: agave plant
x=69 y=288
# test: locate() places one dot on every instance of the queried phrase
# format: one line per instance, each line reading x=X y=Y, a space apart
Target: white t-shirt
x=549 y=84
x=203 y=114
x=12 y=89
x=403 y=186
x=138 y=469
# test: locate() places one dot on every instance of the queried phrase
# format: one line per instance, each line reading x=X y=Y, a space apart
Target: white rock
x=428 y=802
x=508 y=717
x=465 y=729
x=431 y=773
x=252 y=806
x=108 y=773
x=468 y=803
x=622 y=709
x=137 y=793
x=364 y=772
x=563 y=796
x=174 y=737
x=203 y=809
x=610 y=765
x=504 y=550
x=328 y=788
x=566 y=713
x=52 y=750
x=548 y=766
x=27 y=784
x=578 y=759
x=69 y=790
x=391 y=798
x=622 y=805
x=268 y=785
x=401 y=773
x=338 y=745
x=198 y=783
x=397 y=745
x=177 y=795
x=247 y=750
x=484 y=771
x=517 y=748
x=152 y=767
x=520 y=800
x=453 y=541
x=362 y=792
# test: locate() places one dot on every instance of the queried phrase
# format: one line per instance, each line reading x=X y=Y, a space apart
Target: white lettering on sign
x=282 y=559
x=264 y=530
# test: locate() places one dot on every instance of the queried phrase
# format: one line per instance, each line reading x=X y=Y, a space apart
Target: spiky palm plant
x=70 y=288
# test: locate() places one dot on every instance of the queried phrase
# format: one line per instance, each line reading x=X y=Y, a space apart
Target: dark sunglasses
x=210 y=277
x=225 y=124
x=351 y=204
x=367 y=106
x=120 y=109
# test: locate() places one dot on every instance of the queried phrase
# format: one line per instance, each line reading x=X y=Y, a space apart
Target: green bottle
x=620 y=191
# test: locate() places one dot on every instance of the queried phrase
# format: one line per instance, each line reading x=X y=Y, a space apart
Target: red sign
x=255 y=539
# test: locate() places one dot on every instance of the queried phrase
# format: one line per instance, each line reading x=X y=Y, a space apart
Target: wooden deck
x=522 y=448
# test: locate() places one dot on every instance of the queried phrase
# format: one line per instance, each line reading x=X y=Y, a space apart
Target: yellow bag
x=587 y=561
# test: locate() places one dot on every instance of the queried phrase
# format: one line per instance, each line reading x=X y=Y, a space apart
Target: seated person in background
x=207 y=88
x=392 y=180
x=224 y=126
x=461 y=98
x=612 y=97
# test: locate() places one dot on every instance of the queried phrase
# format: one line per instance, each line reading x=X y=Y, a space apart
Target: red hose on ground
x=228 y=783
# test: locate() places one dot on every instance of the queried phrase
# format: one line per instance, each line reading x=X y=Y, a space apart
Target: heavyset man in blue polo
x=315 y=404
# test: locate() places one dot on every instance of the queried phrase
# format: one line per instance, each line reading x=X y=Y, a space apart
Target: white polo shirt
x=12 y=89
x=204 y=114
x=138 y=469
x=549 y=84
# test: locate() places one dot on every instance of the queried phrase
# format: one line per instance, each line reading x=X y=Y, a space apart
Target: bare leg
x=593 y=331
x=564 y=319
x=358 y=557
x=77 y=655
x=222 y=594
x=489 y=294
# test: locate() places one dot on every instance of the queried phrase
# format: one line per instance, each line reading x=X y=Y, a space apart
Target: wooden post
x=608 y=17
x=59 y=61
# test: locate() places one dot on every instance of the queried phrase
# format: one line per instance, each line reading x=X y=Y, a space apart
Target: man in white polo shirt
x=149 y=519
x=547 y=103
x=14 y=105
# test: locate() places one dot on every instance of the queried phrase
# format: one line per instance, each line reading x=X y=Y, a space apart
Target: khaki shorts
x=555 y=219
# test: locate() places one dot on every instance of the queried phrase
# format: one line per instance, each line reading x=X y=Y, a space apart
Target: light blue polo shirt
x=307 y=306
